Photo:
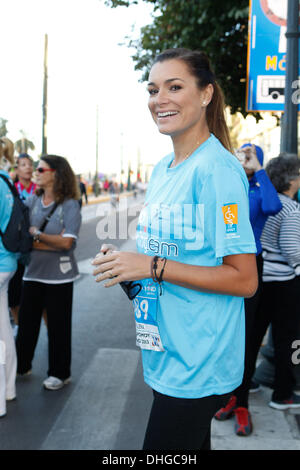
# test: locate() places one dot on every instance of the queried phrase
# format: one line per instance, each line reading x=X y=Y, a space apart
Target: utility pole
x=138 y=172
x=45 y=97
x=289 y=126
x=129 y=176
x=121 y=165
x=97 y=152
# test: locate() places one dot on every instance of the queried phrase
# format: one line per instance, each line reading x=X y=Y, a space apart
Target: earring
x=204 y=102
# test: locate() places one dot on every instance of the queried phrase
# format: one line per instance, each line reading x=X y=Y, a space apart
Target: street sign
x=266 y=61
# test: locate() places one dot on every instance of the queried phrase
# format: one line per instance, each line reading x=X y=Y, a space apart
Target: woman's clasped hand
x=120 y=266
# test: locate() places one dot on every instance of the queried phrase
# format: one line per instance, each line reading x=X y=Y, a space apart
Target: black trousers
x=181 y=423
x=277 y=304
x=57 y=299
x=253 y=318
x=15 y=287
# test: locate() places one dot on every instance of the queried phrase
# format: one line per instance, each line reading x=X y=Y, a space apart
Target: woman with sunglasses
x=49 y=276
x=195 y=261
x=25 y=187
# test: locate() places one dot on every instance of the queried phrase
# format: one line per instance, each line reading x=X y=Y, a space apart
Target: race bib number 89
x=145 y=310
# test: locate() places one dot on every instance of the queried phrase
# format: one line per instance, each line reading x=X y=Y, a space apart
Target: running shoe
x=254 y=387
x=292 y=402
x=243 y=423
x=24 y=374
x=227 y=411
x=54 y=383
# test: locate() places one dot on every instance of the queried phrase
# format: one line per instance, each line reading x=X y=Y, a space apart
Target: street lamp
x=121 y=164
x=96 y=182
x=45 y=97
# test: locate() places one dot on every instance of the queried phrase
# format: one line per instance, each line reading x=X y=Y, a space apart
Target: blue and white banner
x=266 y=62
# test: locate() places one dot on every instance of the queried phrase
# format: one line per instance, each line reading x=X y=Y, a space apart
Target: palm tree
x=23 y=145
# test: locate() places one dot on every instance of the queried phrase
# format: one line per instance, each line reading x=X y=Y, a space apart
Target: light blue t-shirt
x=196 y=213
x=8 y=260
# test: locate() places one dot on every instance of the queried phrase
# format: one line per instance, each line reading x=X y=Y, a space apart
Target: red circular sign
x=275 y=11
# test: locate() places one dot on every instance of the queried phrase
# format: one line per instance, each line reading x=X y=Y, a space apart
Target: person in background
x=24 y=169
x=8 y=266
x=25 y=187
x=106 y=185
x=113 y=190
x=83 y=192
x=50 y=274
x=195 y=261
x=281 y=279
x=264 y=201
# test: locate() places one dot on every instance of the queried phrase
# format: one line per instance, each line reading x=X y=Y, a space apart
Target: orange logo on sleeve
x=230 y=214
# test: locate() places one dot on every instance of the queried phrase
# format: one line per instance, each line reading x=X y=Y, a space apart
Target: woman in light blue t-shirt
x=195 y=261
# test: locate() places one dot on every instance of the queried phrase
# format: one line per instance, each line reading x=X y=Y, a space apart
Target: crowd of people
x=275 y=219
x=205 y=286
x=39 y=283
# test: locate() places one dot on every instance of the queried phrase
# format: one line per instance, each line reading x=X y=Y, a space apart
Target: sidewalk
x=104 y=197
x=272 y=429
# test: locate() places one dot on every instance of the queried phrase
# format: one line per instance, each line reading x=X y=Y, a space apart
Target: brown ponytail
x=199 y=66
x=215 y=115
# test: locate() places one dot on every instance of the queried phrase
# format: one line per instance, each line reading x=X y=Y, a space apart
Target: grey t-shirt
x=54 y=267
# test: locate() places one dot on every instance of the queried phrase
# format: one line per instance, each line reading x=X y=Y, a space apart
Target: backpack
x=16 y=237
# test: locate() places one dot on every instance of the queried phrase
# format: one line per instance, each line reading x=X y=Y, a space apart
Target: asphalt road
x=107 y=403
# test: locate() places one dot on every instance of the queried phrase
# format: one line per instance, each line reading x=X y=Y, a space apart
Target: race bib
x=145 y=311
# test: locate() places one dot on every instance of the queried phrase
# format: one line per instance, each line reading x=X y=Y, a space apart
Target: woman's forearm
x=225 y=279
x=237 y=275
x=42 y=247
x=54 y=242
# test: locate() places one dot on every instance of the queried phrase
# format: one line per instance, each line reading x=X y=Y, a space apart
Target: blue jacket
x=8 y=260
x=264 y=201
x=263 y=198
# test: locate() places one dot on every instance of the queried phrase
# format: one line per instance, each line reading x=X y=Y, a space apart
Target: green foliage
x=3 y=128
x=220 y=28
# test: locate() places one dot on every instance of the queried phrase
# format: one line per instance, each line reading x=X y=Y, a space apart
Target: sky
x=88 y=68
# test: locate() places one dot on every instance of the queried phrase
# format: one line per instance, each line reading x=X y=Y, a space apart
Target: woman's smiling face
x=175 y=100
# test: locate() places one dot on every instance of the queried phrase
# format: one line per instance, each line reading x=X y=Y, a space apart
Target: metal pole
x=121 y=171
x=129 y=177
x=45 y=97
x=289 y=127
x=97 y=152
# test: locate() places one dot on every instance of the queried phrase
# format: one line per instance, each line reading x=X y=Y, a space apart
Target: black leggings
x=181 y=423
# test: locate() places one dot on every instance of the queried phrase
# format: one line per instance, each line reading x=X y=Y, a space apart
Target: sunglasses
x=131 y=289
x=42 y=170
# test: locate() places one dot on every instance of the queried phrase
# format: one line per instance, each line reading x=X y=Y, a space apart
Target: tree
x=3 y=129
x=23 y=145
x=218 y=28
